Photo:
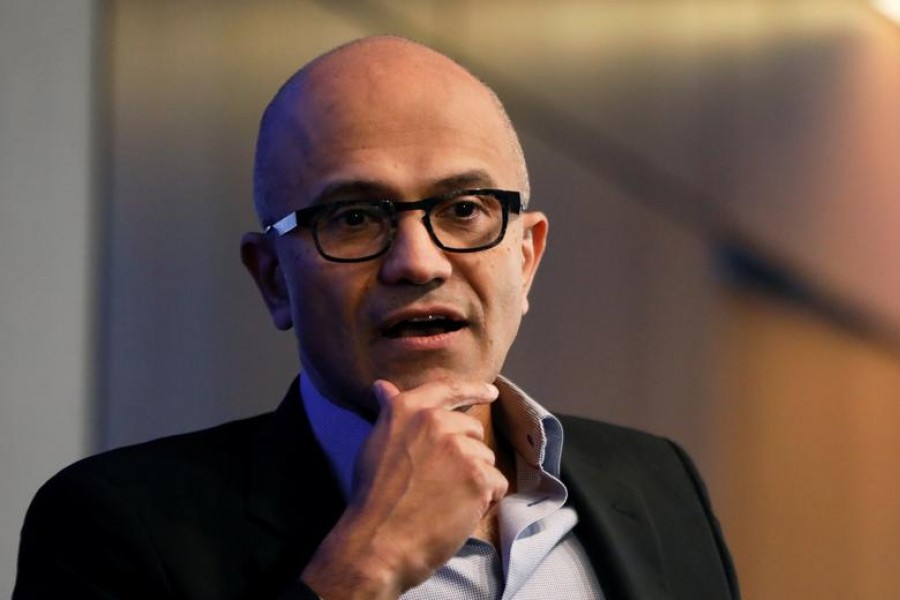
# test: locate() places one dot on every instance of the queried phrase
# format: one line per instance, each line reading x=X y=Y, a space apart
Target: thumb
x=384 y=390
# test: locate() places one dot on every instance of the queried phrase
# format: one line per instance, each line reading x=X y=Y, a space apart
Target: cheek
x=501 y=290
x=512 y=277
x=327 y=299
x=317 y=303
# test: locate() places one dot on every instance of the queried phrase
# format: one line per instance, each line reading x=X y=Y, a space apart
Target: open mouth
x=424 y=326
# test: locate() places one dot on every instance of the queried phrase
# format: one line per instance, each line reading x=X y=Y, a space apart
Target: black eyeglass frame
x=510 y=202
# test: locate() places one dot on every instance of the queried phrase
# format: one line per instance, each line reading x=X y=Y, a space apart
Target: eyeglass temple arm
x=284 y=225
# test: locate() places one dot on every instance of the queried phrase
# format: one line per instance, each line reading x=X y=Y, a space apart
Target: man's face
x=416 y=313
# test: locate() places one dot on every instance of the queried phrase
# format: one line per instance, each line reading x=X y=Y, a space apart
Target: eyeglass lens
x=362 y=229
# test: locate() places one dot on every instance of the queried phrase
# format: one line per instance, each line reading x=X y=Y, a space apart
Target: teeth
x=425 y=319
x=423 y=325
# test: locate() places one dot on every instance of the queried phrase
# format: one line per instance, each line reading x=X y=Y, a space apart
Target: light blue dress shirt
x=539 y=557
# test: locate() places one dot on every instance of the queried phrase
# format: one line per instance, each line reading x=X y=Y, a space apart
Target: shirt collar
x=340 y=431
x=534 y=433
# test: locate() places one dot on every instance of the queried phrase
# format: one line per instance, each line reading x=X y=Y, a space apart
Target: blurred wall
x=47 y=257
x=189 y=341
x=809 y=439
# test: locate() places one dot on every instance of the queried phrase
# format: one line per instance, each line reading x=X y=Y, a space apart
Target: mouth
x=424 y=326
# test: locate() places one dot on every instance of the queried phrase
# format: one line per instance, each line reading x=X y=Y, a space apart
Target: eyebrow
x=355 y=188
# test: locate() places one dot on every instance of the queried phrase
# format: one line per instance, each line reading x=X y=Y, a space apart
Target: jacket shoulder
x=96 y=525
x=652 y=480
x=214 y=450
x=592 y=440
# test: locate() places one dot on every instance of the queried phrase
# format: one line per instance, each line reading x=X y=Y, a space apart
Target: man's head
x=386 y=118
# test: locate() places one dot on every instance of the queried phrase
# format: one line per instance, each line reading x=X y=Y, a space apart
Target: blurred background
x=722 y=180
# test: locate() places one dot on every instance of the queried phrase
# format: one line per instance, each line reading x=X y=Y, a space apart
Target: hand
x=424 y=480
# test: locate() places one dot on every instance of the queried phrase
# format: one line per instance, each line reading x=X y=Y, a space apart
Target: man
x=397 y=245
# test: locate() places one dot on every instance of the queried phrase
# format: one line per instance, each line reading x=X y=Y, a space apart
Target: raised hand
x=425 y=478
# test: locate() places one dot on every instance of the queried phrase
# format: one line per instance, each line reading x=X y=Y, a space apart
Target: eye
x=463 y=208
x=354 y=215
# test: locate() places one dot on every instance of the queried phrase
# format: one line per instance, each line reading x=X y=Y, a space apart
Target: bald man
x=398 y=246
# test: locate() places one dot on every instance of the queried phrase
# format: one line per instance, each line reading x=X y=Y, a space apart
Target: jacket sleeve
x=298 y=591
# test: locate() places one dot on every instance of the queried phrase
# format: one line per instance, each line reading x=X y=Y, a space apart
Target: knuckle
x=476 y=475
x=452 y=446
x=455 y=388
x=431 y=420
x=503 y=486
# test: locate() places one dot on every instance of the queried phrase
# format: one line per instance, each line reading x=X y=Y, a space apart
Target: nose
x=413 y=257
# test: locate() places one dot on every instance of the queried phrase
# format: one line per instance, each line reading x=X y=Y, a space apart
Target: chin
x=407 y=380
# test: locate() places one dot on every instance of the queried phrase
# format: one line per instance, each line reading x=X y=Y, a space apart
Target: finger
x=455 y=394
x=477 y=450
x=449 y=394
x=484 y=477
x=463 y=424
x=497 y=484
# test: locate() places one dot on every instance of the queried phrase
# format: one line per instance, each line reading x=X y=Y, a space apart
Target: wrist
x=347 y=566
x=333 y=582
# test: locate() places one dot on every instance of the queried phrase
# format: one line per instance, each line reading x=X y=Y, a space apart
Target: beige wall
x=47 y=258
x=809 y=485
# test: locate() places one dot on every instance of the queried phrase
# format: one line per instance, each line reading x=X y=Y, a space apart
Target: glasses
x=358 y=230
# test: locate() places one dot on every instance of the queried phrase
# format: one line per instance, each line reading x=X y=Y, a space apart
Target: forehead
x=399 y=117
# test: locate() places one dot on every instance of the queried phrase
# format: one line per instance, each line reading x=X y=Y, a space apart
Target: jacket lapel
x=292 y=497
x=616 y=530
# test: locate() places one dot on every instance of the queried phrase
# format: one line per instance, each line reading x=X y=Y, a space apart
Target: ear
x=259 y=256
x=534 y=241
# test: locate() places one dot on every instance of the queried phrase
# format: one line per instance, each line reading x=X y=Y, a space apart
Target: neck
x=503 y=451
x=488 y=529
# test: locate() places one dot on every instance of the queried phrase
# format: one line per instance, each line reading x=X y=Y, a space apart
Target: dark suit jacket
x=236 y=512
